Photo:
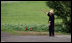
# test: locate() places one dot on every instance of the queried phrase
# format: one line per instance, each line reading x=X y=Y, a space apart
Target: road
x=5 y=37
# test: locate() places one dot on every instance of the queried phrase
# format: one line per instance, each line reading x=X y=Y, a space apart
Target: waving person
x=51 y=21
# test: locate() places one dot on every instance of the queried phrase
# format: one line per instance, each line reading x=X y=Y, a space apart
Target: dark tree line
x=63 y=10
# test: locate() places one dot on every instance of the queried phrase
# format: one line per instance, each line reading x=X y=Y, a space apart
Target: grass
x=24 y=13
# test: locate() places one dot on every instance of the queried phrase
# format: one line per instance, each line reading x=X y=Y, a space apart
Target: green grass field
x=27 y=12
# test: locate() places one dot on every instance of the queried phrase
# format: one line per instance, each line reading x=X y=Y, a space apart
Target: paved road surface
x=5 y=37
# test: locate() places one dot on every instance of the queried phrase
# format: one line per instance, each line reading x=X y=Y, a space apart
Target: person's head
x=51 y=12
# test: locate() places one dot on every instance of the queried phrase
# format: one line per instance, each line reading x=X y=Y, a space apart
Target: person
x=51 y=21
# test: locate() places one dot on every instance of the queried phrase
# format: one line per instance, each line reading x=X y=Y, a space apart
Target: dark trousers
x=51 y=30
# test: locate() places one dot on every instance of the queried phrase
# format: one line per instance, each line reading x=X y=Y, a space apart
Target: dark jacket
x=51 y=18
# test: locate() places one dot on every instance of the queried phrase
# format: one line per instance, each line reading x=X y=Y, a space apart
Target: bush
x=61 y=28
x=39 y=28
x=62 y=9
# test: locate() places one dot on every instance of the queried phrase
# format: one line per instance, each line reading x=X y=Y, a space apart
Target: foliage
x=63 y=10
x=38 y=28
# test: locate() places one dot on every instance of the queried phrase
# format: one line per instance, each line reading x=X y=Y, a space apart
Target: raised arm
x=44 y=11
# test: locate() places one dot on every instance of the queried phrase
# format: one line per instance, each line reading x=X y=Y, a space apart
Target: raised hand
x=43 y=10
